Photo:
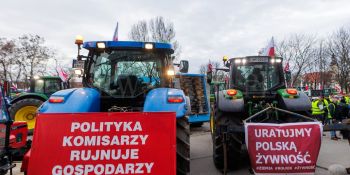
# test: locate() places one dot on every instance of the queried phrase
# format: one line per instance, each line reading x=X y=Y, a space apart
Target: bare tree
x=156 y=30
x=298 y=51
x=321 y=63
x=218 y=75
x=203 y=68
x=33 y=54
x=339 y=48
x=139 y=31
x=7 y=49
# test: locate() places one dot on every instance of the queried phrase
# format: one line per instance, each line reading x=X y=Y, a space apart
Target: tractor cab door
x=3 y=123
x=7 y=139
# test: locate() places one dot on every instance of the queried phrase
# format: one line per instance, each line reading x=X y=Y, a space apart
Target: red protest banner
x=283 y=148
x=104 y=143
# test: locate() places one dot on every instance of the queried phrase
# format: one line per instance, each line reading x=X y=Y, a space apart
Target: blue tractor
x=128 y=76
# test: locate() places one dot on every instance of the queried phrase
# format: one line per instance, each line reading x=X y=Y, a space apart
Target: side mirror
x=209 y=77
x=288 y=76
x=228 y=64
x=183 y=67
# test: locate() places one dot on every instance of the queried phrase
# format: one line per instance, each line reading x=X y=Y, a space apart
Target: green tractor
x=24 y=106
x=256 y=84
x=215 y=84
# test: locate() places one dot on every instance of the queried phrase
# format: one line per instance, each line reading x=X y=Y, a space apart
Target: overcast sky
x=205 y=29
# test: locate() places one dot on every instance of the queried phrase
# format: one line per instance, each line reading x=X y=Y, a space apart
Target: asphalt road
x=332 y=152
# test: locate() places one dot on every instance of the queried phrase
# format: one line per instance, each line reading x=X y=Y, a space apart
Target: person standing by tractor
x=347 y=99
x=331 y=118
x=317 y=108
x=343 y=114
x=326 y=102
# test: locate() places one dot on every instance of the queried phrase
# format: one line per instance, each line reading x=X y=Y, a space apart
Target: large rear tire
x=182 y=146
x=223 y=120
x=25 y=110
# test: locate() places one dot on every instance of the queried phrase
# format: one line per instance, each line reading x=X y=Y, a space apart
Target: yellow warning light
x=79 y=39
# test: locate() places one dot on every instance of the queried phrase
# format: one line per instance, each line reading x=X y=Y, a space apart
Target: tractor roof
x=251 y=57
x=129 y=45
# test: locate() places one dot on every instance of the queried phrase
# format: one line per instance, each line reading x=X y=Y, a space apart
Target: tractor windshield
x=256 y=77
x=127 y=73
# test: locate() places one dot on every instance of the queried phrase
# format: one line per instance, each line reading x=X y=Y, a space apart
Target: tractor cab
x=45 y=85
x=256 y=76
x=125 y=71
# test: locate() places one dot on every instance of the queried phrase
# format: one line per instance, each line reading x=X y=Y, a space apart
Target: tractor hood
x=64 y=93
x=72 y=100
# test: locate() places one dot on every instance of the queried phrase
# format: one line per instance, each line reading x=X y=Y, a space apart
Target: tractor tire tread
x=182 y=146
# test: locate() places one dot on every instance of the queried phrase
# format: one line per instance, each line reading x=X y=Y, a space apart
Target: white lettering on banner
x=283 y=148
x=105 y=126
x=276 y=146
x=104 y=154
x=283 y=159
x=105 y=140
x=108 y=169
x=114 y=154
x=275 y=132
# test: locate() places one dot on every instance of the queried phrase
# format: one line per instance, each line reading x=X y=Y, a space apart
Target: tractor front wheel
x=224 y=120
x=25 y=110
x=182 y=146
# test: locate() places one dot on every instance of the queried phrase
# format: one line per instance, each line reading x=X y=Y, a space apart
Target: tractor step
x=7 y=167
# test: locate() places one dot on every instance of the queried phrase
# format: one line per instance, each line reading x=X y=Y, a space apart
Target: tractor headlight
x=101 y=45
x=78 y=72
x=170 y=72
x=273 y=60
x=237 y=61
x=244 y=61
x=148 y=46
x=278 y=60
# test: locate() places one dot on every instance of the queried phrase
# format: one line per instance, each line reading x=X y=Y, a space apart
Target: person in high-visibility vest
x=347 y=99
x=317 y=109
x=330 y=119
x=326 y=102
x=347 y=102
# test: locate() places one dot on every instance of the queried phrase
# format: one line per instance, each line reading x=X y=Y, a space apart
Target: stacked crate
x=193 y=87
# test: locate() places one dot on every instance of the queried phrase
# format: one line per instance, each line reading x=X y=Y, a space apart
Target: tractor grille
x=193 y=87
